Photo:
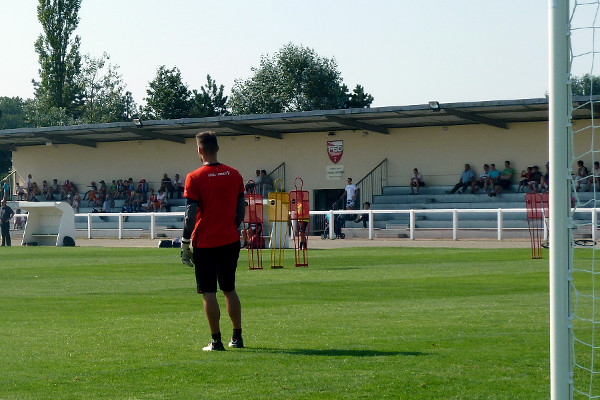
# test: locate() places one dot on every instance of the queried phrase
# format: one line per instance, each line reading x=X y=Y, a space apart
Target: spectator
x=143 y=186
x=54 y=189
x=67 y=189
x=416 y=181
x=494 y=176
x=265 y=183
x=365 y=217
x=484 y=180
x=108 y=204
x=34 y=192
x=166 y=185
x=44 y=189
x=546 y=179
x=467 y=178
x=20 y=192
x=351 y=193
x=19 y=222
x=6 y=213
x=252 y=236
x=76 y=202
x=139 y=201
x=29 y=185
x=527 y=176
x=178 y=185
x=103 y=190
x=257 y=179
x=126 y=209
x=583 y=175
x=596 y=174
x=152 y=202
x=6 y=190
x=536 y=178
x=505 y=179
x=161 y=200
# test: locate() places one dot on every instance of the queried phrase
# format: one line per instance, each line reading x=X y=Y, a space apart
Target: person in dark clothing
x=6 y=213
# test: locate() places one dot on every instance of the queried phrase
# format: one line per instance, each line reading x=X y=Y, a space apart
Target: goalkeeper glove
x=186 y=253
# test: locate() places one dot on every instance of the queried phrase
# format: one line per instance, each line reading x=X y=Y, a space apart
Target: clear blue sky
x=403 y=52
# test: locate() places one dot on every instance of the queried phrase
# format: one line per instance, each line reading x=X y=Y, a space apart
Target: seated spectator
x=20 y=192
x=505 y=180
x=19 y=222
x=54 y=189
x=93 y=187
x=161 y=200
x=76 y=202
x=536 y=178
x=103 y=189
x=113 y=189
x=484 y=180
x=583 y=176
x=143 y=186
x=34 y=192
x=130 y=188
x=151 y=201
x=66 y=189
x=44 y=189
x=526 y=175
x=126 y=209
x=545 y=185
x=139 y=201
x=166 y=185
x=121 y=191
x=596 y=174
x=108 y=204
x=467 y=178
x=365 y=217
x=178 y=186
x=416 y=181
x=494 y=176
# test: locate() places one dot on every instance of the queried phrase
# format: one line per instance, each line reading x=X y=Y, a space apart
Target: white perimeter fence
x=591 y=220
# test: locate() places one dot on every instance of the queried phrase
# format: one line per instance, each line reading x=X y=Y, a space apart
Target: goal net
x=574 y=148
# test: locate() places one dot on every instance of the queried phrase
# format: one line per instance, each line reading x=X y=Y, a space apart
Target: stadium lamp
x=138 y=122
x=434 y=105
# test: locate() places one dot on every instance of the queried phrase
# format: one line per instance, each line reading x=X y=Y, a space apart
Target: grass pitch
x=367 y=323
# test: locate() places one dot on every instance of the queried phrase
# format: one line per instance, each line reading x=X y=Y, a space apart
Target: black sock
x=216 y=337
x=237 y=333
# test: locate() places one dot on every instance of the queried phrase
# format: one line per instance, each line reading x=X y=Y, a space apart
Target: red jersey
x=216 y=188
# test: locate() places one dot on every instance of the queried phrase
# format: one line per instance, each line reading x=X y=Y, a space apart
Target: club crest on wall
x=335 y=149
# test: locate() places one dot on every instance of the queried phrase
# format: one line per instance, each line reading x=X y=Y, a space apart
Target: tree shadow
x=337 y=352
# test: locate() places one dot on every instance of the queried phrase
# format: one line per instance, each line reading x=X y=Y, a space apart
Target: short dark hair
x=207 y=141
x=262 y=171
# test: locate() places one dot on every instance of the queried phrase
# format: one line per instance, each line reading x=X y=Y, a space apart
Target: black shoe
x=236 y=343
x=214 y=346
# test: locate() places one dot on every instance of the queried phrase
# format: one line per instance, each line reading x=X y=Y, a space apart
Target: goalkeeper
x=214 y=210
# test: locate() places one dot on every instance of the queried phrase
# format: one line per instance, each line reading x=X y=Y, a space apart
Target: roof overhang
x=499 y=114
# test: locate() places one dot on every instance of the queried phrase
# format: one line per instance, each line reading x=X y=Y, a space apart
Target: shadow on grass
x=336 y=352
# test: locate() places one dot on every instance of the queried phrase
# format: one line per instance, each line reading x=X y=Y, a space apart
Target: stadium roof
x=499 y=114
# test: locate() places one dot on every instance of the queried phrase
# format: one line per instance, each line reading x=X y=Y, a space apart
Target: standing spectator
x=29 y=185
x=6 y=213
x=416 y=181
x=596 y=174
x=583 y=176
x=76 y=202
x=178 y=186
x=6 y=190
x=467 y=178
x=215 y=209
x=265 y=183
x=351 y=194
x=505 y=179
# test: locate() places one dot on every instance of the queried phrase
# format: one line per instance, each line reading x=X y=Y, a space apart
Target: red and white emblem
x=335 y=149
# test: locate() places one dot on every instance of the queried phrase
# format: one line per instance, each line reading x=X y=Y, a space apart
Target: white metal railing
x=500 y=212
x=455 y=218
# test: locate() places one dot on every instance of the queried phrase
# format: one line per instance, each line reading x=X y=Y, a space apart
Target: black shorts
x=216 y=264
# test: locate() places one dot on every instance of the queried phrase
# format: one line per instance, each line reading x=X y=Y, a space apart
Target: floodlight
x=434 y=105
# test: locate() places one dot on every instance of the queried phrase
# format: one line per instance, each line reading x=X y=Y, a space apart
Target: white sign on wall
x=334 y=172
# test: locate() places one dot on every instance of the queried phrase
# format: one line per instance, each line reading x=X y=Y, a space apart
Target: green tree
x=585 y=85
x=359 y=98
x=296 y=78
x=38 y=114
x=210 y=101
x=12 y=113
x=58 y=54
x=104 y=98
x=168 y=97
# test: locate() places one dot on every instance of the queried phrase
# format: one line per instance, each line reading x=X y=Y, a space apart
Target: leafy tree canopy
x=585 y=85
x=210 y=101
x=296 y=78
x=168 y=97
